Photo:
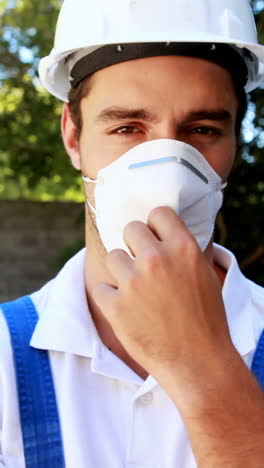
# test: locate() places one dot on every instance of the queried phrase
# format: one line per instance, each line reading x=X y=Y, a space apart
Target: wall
x=32 y=235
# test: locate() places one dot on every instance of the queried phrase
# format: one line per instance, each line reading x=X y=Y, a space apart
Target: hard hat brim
x=55 y=77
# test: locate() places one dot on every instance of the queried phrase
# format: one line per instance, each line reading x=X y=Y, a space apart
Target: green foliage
x=241 y=221
x=33 y=163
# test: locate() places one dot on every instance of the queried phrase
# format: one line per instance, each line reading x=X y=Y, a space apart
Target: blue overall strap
x=258 y=362
x=38 y=409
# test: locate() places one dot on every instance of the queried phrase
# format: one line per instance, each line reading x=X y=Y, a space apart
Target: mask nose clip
x=171 y=159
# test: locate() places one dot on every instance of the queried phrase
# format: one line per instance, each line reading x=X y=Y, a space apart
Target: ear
x=68 y=130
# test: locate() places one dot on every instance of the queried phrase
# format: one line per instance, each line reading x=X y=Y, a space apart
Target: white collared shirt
x=110 y=417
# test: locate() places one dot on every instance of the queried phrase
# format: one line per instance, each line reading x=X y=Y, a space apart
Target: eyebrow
x=220 y=115
x=122 y=113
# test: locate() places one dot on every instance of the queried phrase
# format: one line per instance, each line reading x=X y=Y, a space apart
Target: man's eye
x=127 y=130
x=206 y=131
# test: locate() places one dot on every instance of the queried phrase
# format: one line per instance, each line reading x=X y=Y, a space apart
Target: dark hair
x=75 y=97
x=83 y=88
x=241 y=111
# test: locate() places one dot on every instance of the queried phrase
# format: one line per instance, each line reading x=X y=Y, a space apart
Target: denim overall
x=39 y=417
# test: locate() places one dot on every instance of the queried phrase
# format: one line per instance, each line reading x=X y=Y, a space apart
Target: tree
x=240 y=225
x=32 y=160
x=33 y=163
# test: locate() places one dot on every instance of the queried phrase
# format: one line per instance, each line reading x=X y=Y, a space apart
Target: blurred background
x=41 y=199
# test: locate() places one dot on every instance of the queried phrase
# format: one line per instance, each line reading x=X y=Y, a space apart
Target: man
x=150 y=337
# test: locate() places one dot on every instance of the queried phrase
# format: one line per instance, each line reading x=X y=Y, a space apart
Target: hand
x=168 y=313
x=167 y=310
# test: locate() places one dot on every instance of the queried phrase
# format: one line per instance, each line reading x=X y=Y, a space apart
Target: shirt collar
x=65 y=323
x=237 y=300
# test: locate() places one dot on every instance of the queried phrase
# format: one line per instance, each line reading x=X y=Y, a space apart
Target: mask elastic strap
x=92 y=181
x=223 y=185
x=91 y=206
x=87 y=179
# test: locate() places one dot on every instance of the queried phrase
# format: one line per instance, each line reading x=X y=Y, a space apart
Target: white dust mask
x=156 y=173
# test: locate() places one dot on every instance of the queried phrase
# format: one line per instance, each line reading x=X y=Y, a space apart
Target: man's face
x=180 y=98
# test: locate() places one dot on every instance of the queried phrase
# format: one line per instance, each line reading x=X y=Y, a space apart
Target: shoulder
x=9 y=420
x=257 y=307
x=6 y=357
x=242 y=297
x=6 y=350
x=257 y=292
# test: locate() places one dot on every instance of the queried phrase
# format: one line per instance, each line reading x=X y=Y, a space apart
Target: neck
x=95 y=272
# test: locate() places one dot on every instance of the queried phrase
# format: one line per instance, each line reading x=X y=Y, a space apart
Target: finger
x=119 y=264
x=139 y=238
x=104 y=294
x=166 y=224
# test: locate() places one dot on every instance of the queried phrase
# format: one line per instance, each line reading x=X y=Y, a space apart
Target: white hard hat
x=87 y=25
